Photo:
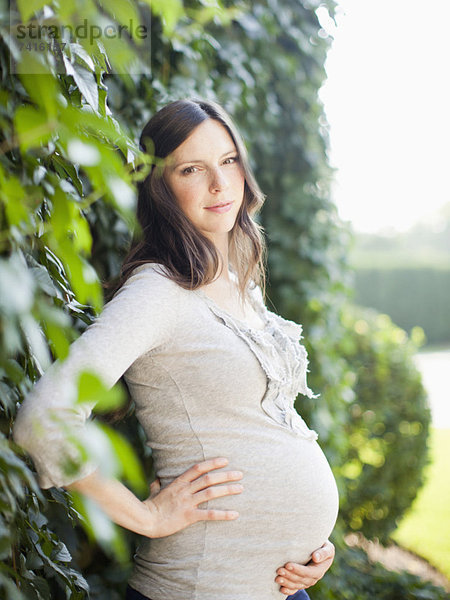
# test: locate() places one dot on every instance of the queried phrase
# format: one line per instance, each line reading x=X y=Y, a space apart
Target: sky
x=387 y=102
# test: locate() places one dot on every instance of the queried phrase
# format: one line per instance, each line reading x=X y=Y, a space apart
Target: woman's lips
x=220 y=208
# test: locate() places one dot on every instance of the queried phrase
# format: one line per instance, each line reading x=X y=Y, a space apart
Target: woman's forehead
x=209 y=139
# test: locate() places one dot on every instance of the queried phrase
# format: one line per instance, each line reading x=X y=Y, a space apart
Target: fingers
x=325 y=552
x=205 y=481
x=216 y=515
x=290 y=581
x=155 y=488
x=290 y=591
x=294 y=575
x=206 y=487
x=289 y=587
x=297 y=576
x=201 y=468
x=217 y=492
x=307 y=574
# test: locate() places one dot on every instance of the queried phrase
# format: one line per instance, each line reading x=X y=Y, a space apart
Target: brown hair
x=165 y=234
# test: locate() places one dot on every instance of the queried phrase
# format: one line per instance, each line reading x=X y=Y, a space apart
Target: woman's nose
x=218 y=181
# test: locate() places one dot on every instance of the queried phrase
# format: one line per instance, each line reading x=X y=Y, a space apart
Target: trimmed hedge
x=410 y=296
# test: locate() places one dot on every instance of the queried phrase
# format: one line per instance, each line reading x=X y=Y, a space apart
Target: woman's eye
x=188 y=170
x=231 y=159
x=193 y=169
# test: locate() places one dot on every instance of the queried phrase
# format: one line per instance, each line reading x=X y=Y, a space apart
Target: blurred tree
x=388 y=424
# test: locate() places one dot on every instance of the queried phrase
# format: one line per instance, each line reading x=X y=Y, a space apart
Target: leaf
x=28 y=8
x=59 y=342
x=131 y=467
x=42 y=278
x=92 y=389
x=43 y=89
x=5 y=542
x=61 y=553
x=93 y=124
x=124 y=12
x=83 y=154
x=98 y=526
x=17 y=286
x=13 y=195
x=87 y=85
x=36 y=340
x=37 y=518
x=87 y=291
x=68 y=66
x=78 y=50
x=79 y=580
x=65 y=168
x=124 y=195
x=33 y=127
x=170 y=12
x=10 y=588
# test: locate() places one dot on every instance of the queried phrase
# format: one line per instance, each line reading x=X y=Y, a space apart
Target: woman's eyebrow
x=186 y=162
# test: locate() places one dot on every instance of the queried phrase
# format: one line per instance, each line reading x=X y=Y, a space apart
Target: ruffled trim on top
x=282 y=358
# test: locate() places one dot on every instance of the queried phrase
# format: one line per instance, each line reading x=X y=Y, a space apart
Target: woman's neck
x=221 y=245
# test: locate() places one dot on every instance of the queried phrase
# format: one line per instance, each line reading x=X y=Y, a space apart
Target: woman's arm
x=169 y=510
x=51 y=423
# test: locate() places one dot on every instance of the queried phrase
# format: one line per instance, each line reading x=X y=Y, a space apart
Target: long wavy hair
x=165 y=235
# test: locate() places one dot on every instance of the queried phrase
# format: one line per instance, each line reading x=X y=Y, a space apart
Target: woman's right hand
x=176 y=506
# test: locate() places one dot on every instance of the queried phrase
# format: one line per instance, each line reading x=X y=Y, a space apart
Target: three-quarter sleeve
x=140 y=317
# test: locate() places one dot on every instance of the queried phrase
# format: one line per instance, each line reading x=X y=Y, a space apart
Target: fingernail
x=317 y=555
x=281 y=581
x=289 y=568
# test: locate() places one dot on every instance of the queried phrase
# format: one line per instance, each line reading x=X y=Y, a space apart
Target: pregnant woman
x=244 y=499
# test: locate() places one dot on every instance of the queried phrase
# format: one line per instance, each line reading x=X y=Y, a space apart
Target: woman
x=213 y=375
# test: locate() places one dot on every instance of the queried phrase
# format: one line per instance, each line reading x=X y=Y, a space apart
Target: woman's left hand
x=293 y=577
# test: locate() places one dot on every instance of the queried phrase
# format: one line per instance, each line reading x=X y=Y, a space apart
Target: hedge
x=388 y=423
x=416 y=296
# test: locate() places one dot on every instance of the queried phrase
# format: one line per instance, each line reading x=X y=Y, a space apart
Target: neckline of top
x=227 y=315
x=243 y=325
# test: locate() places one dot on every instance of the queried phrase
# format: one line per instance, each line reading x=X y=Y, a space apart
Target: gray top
x=205 y=384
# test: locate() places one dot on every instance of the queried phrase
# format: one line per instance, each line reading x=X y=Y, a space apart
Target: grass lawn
x=425 y=530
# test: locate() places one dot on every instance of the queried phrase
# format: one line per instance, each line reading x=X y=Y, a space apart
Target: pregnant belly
x=290 y=502
x=287 y=510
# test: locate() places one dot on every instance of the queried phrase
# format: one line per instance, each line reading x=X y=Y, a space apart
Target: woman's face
x=206 y=177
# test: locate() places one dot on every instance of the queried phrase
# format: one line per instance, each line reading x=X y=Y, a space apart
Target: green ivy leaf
x=124 y=12
x=170 y=12
x=33 y=127
x=43 y=90
x=61 y=553
x=99 y=527
x=17 y=286
x=85 y=80
x=91 y=389
x=131 y=467
x=28 y=8
x=78 y=50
